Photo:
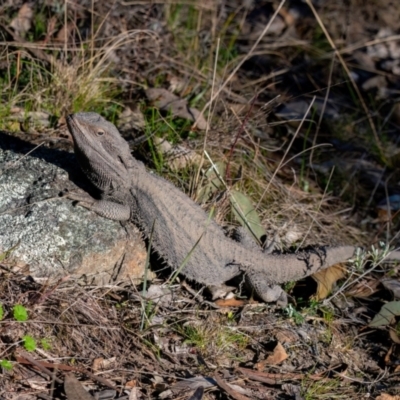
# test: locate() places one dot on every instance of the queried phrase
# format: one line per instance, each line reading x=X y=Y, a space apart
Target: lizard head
x=100 y=149
x=88 y=128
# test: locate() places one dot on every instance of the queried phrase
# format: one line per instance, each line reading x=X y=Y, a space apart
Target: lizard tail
x=282 y=268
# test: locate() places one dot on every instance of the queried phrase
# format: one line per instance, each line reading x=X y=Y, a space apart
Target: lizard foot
x=266 y=292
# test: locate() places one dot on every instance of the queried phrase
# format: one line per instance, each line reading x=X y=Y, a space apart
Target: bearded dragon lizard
x=181 y=231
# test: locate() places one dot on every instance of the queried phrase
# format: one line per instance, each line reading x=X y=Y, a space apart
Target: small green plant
x=321 y=390
x=6 y=364
x=195 y=336
x=219 y=339
x=378 y=254
x=149 y=310
x=313 y=305
x=227 y=54
x=40 y=26
x=20 y=313
x=231 y=317
x=4 y=255
x=45 y=343
x=291 y=312
x=228 y=338
x=320 y=44
x=326 y=336
x=328 y=314
x=289 y=286
x=29 y=343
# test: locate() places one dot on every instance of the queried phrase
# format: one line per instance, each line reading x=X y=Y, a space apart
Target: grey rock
x=48 y=236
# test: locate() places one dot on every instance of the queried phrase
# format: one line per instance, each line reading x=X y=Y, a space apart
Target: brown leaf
x=23 y=21
x=393 y=335
x=278 y=355
x=231 y=303
x=167 y=101
x=135 y=394
x=326 y=279
x=74 y=389
x=233 y=393
x=385 y=396
x=65 y=33
x=393 y=285
x=177 y=156
x=131 y=118
x=101 y=364
x=386 y=315
x=287 y=336
x=363 y=288
x=131 y=384
x=201 y=123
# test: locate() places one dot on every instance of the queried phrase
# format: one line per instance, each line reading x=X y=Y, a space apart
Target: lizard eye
x=100 y=132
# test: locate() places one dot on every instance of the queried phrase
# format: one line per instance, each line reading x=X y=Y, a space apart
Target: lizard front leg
x=106 y=208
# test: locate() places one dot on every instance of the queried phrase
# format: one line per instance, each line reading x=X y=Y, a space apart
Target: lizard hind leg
x=269 y=293
x=257 y=281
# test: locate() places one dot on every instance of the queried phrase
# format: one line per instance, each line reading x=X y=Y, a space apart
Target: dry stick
x=197 y=74
x=352 y=48
x=39 y=365
x=93 y=35
x=228 y=191
x=353 y=173
x=344 y=65
x=198 y=394
x=25 y=358
x=92 y=38
x=233 y=393
x=317 y=146
x=247 y=56
x=11 y=165
x=286 y=152
x=318 y=208
x=45 y=295
x=388 y=209
x=265 y=78
x=146 y=270
x=205 y=5
x=32 y=48
x=276 y=378
x=75 y=390
x=297 y=155
x=372 y=194
x=349 y=282
x=66 y=30
x=328 y=89
x=208 y=118
x=238 y=135
x=391 y=219
x=249 y=136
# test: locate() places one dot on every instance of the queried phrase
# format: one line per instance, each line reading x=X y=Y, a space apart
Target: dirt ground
x=297 y=105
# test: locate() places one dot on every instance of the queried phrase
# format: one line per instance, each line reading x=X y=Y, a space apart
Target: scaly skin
x=129 y=192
